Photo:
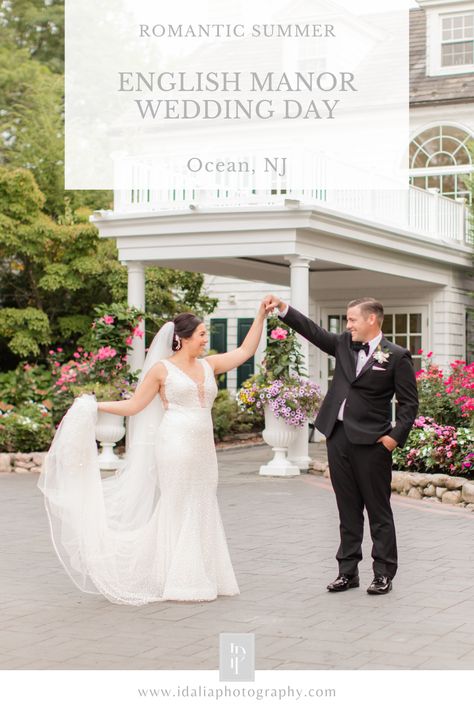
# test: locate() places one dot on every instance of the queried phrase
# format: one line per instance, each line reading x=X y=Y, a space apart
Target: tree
x=31 y=123
x=54 y=269
x=32 y=130
x=167 y=292
x=53 y=275
x=43 y=269
x=36 y=26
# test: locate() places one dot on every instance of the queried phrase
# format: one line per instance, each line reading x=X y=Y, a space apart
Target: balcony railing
x=421 y=212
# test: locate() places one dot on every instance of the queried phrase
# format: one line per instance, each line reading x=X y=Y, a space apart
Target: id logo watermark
x=236 y=656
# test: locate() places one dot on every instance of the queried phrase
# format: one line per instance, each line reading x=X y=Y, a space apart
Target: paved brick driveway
x=283 y=535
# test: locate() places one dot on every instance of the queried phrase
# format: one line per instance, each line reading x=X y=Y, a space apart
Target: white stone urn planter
x=109 y=430
x=279 y=435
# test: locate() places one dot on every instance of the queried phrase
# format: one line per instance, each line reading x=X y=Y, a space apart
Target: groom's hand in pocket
x=388 y=442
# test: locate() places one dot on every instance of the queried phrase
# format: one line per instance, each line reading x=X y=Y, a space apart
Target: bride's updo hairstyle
x=184 y=327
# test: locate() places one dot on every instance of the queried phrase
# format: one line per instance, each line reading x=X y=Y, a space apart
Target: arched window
x=440 y=159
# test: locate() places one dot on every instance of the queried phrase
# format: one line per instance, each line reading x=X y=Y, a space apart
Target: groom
x=356 y=419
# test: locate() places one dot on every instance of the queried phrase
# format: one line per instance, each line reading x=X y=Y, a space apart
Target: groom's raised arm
x=303 y=325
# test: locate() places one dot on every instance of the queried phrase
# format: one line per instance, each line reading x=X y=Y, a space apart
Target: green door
x=219 y=343
x=247 y=369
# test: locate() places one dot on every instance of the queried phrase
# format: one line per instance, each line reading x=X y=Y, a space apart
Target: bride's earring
x=178 y=342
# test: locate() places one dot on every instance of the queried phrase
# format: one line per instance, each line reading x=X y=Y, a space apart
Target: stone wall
x=20 y=463
x=442 y=488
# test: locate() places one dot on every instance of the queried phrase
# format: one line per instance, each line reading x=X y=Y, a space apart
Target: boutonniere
x=381 y=356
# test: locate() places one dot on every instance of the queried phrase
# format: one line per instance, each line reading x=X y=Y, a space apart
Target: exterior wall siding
x=449 y=324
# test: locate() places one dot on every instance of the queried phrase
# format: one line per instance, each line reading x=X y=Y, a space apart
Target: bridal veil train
x=153 y=531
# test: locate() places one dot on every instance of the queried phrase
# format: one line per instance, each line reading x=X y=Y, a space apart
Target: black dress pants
x=361 y=477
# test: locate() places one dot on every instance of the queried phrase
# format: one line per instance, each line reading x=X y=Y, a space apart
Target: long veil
x=100 y=527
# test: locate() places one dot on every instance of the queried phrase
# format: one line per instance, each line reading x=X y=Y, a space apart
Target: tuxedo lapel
x=366 y=366
x=349 y=362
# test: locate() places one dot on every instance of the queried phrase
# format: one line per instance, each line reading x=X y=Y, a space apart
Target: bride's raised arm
x=142 y=396
x=223 y=362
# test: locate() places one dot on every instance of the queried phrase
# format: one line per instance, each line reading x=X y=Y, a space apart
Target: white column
x=298 y=452
x=136 y=297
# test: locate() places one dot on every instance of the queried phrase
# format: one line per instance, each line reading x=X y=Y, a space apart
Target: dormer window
x=457 y=40
x=450 y=39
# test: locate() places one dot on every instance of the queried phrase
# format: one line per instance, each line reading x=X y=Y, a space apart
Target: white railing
x=415 y=210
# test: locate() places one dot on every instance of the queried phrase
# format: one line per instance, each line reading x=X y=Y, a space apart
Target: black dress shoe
x=380 y=585
x=344 y=582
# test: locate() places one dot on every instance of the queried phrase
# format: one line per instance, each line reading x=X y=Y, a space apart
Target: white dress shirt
x=362 y=358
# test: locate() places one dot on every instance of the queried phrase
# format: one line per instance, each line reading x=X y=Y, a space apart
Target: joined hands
x=271 y=302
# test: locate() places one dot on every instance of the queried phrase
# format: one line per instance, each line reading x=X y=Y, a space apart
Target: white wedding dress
x=153 y=531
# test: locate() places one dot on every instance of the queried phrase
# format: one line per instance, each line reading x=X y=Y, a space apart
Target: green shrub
x=224 y=412
x=26 y=383
x=25 y=428
x=228 y=419
x=105 y=391
x=25 y=409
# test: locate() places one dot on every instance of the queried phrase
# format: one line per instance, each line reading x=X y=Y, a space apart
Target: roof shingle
x=454 y=88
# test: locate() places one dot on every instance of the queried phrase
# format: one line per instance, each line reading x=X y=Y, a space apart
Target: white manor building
x=410 y=249
x=427 y=314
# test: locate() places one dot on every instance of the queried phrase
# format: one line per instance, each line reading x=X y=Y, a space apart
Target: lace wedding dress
x=153 y=531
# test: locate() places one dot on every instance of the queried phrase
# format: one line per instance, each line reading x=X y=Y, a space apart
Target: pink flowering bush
x=437 y=448
x=87 y=372
x=459 y=386
x=446 y=397
x=103 y=368
x=442 y=438
x=105 y=353
x=114 y=327
x=35 y=397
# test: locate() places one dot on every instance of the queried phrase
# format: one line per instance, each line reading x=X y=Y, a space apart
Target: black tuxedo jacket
x=368 y=396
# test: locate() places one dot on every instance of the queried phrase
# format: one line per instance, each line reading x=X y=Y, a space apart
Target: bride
x=153 y=531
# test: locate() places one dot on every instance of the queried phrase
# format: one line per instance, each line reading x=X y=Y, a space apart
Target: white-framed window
x=450 y=42
x=440 y=159
x=457 y=40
